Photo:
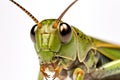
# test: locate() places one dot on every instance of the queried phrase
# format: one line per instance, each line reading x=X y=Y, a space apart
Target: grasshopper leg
x=78 y=74
x=107 y=70
x=40 y=76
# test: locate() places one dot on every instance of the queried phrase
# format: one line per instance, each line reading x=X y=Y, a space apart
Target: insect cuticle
x=62 y=46
x=39 y=25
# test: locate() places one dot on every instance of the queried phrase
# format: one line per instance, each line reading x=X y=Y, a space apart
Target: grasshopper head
x=50 y=35
x=48 y=40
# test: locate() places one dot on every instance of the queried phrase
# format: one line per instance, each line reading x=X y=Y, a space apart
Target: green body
x=83 y=50
x=66 y=51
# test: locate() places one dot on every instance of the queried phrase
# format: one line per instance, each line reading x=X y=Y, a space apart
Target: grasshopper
x=66 y=51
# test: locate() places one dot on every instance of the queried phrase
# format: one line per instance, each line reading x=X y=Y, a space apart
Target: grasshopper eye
x=32 y=33
x=65 y=32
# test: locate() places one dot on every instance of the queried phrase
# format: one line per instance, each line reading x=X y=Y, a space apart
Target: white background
x=18 y=59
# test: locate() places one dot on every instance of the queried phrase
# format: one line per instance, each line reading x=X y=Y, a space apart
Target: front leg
x=107 y=70
x=78 y=74
x=40 y=76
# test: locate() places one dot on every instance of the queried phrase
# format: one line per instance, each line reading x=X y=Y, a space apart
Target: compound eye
x=32 y=33
x=65 y=32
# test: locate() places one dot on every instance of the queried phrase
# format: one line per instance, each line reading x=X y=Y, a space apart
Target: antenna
x=27 y=12
x=60 y=17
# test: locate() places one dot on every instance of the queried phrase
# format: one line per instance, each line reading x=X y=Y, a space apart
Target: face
x=49 y=40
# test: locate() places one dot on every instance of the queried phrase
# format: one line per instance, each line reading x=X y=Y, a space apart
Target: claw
x=46 y=75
